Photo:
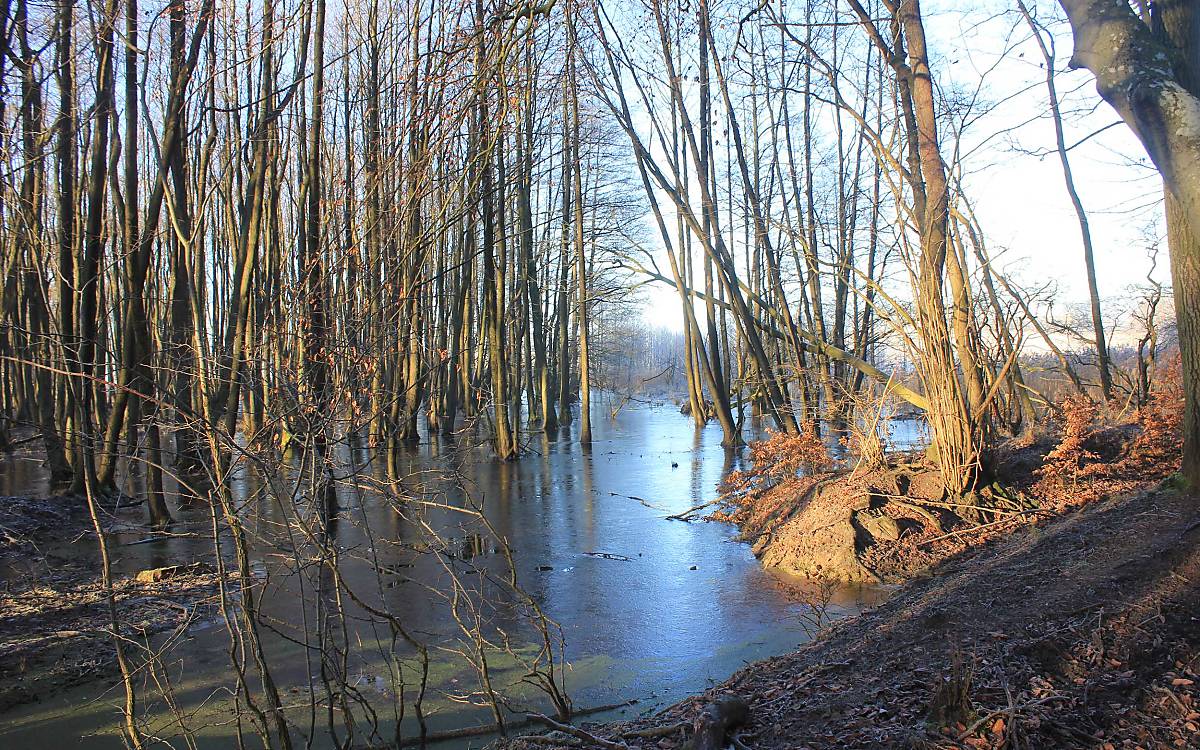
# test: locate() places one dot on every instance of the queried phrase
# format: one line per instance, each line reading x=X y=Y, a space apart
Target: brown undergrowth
x=810 y=515
x=1098 y=455
x=55 y=631
x=55 y=624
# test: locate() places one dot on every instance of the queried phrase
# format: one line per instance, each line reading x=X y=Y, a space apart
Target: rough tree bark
x=1139 y=74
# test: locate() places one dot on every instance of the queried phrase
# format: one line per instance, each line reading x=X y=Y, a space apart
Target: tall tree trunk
x=1153 y=86
x=954 y=425
x=1085 y=231
x=1178 y=22
x=581 y=269
x=88 y=270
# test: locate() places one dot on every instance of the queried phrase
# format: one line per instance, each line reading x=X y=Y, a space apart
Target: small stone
x=882 y=528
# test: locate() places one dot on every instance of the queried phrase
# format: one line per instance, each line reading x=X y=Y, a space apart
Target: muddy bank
x=1081 y=633
x=55 y=620
x=892 y=522
x=877 y=527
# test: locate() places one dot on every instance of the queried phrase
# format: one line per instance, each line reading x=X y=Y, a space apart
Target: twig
x=641 y=500
x=655 y=732
x=1008 y=710
x=981 y=527
x=575 y=731
x=608 y=556
x=685 y=515
x=903 y=500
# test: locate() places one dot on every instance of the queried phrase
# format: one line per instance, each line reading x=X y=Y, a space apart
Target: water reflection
x=649 y=608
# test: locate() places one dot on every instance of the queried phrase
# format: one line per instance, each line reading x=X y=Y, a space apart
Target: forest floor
x=55 y=621
x=1082 y=632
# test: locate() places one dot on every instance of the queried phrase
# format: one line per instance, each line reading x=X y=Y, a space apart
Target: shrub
x=1153 y=453
x=1077 y=415
x=777 y=459
x=1157 y=449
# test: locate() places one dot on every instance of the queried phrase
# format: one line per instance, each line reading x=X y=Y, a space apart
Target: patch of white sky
x=983 y=51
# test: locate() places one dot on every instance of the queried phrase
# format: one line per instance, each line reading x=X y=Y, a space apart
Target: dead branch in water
x=688 y=515
x=641 y=500
x=577 y=732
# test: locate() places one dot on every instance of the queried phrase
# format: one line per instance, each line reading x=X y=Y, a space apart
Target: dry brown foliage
x=1075 y=472
x=1158 y=446
x=1062 y=465
x=778 y=458
x=795 y=460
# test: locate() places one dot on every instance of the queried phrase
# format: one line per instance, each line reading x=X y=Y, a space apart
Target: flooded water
x=650 y=609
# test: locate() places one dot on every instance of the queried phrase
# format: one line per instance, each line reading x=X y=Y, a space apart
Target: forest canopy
x=297 y=221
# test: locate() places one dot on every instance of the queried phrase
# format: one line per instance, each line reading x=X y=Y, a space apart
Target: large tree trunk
x=1177 y=21
x=1151 y=81
x=952 y=421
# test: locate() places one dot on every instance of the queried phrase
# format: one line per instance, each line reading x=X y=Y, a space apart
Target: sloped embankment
x=1079 y=634
x=848 y=528
x=890 y=523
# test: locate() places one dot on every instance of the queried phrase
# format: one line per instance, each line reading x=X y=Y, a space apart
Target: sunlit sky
x=1013 y=176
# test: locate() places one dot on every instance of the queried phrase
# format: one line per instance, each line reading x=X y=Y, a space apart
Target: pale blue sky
x=1019 y=196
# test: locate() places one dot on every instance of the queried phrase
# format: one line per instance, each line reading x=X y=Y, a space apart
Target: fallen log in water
x=689 y=514
x=480 y=730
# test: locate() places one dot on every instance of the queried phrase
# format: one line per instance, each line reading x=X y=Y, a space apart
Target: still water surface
x=664 y=611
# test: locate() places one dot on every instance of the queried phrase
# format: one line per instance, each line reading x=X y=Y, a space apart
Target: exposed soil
x=1079 y=634
x=893 y=522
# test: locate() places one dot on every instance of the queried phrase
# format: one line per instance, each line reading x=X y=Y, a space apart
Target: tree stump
x=715 y=720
